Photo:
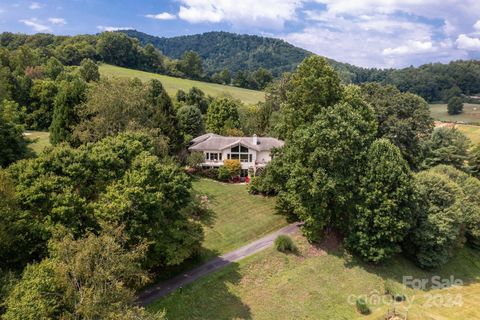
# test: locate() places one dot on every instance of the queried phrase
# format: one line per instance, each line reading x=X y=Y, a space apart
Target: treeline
x=367 y=162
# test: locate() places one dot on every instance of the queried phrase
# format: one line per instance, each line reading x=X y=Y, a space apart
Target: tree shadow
x=464 y=265
x=200 y=293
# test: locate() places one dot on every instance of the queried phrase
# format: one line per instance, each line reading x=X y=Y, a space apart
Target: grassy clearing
x=40 y=140
x=471 y=113
x=315 y=284
x=471 y=131
x=172 y=85
x=240 y=217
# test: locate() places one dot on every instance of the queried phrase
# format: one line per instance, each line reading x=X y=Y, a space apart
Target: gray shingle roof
x=211 y=141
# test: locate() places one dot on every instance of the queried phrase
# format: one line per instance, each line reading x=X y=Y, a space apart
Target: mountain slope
x=224 y=50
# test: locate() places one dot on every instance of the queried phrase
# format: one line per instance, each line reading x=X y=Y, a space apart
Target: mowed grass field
x=471 y=113
x=471 y=131
x=40 y=140
x=317 y=284
x=172 y=84
x=240 y=218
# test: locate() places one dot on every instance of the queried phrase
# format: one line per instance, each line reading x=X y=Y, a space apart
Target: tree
x=90 y=278
x=470 y=203
x=436 y=234
x=53 y=68
x=455 y=105
x=190 y=121
x=222 y=114
x=384 y=215
x=317 y=171
x=40 y=108
x=13 y=145
x=117 y=106
x=191 y=65
x=195 y=159
x=312 y=87
x=474 y=161
x=447 y=146
x=117 y=180
x=262 y=78
x=118 y=49
x=403 y=118
x=89 y=70
x=69 y=95
x=149 y=200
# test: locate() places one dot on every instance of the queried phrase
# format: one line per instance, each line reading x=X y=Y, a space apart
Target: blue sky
x=369 y=33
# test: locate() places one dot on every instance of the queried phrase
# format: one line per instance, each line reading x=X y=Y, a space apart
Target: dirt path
x=163 y=288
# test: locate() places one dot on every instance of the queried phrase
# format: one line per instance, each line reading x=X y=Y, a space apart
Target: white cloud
x=57 y=21
x=35 y=6
x=412 y=47
x=269 y=14
x=36 y=25
x=465 y=42
x=162 y=16
x=111 y=28
x=476 y=26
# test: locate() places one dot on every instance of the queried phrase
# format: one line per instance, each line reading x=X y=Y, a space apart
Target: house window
x=220 y=156
x=207 y=155
x=239 y=152
x=250 y=157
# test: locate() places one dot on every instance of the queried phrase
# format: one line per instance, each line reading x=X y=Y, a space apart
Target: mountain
x=224 y=50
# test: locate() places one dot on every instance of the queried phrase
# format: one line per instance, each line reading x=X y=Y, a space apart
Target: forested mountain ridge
x=224 y=50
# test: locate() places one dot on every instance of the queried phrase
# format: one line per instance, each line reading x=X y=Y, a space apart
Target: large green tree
x=385 y=212
x=116 y=106
x=455 y=106
x=222 y=115
x=447 y=146
x=311 y=88
x=403 y=118
x=317 y=172
x=191 y=121
x=69 y=95
x=437 y=232
x=13 y=145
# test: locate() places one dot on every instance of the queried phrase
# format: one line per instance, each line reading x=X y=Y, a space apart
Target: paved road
x=163 y=288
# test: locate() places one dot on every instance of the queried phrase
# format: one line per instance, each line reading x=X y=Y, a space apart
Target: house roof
x=211 y=141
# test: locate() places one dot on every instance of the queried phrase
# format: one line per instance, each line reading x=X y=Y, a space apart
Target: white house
x=253 y=152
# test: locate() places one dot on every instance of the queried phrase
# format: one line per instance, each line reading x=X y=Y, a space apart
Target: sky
x=367 y=33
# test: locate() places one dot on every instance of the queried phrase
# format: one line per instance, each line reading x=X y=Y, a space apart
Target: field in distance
x=172 y=84
x=470 y=114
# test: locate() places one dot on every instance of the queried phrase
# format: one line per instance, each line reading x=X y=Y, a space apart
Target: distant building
x=253 y=152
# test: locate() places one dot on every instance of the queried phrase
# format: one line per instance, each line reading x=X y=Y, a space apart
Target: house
x=253 y=152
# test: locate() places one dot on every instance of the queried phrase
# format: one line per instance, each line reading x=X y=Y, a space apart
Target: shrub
x=284 y=243
x=195 y=159
x=362 y=306
x=209 y=173
x=233 y=167
x=223 y=174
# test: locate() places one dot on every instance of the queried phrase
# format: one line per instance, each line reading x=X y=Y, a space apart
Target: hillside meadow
x=322 y=282
x=172 y=84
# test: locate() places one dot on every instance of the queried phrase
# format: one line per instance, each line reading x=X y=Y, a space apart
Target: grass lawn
x=172 y=84
x=40 y=140
x=471 y=113
x=315 y=284
x=471 y=131
x=240 y=218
